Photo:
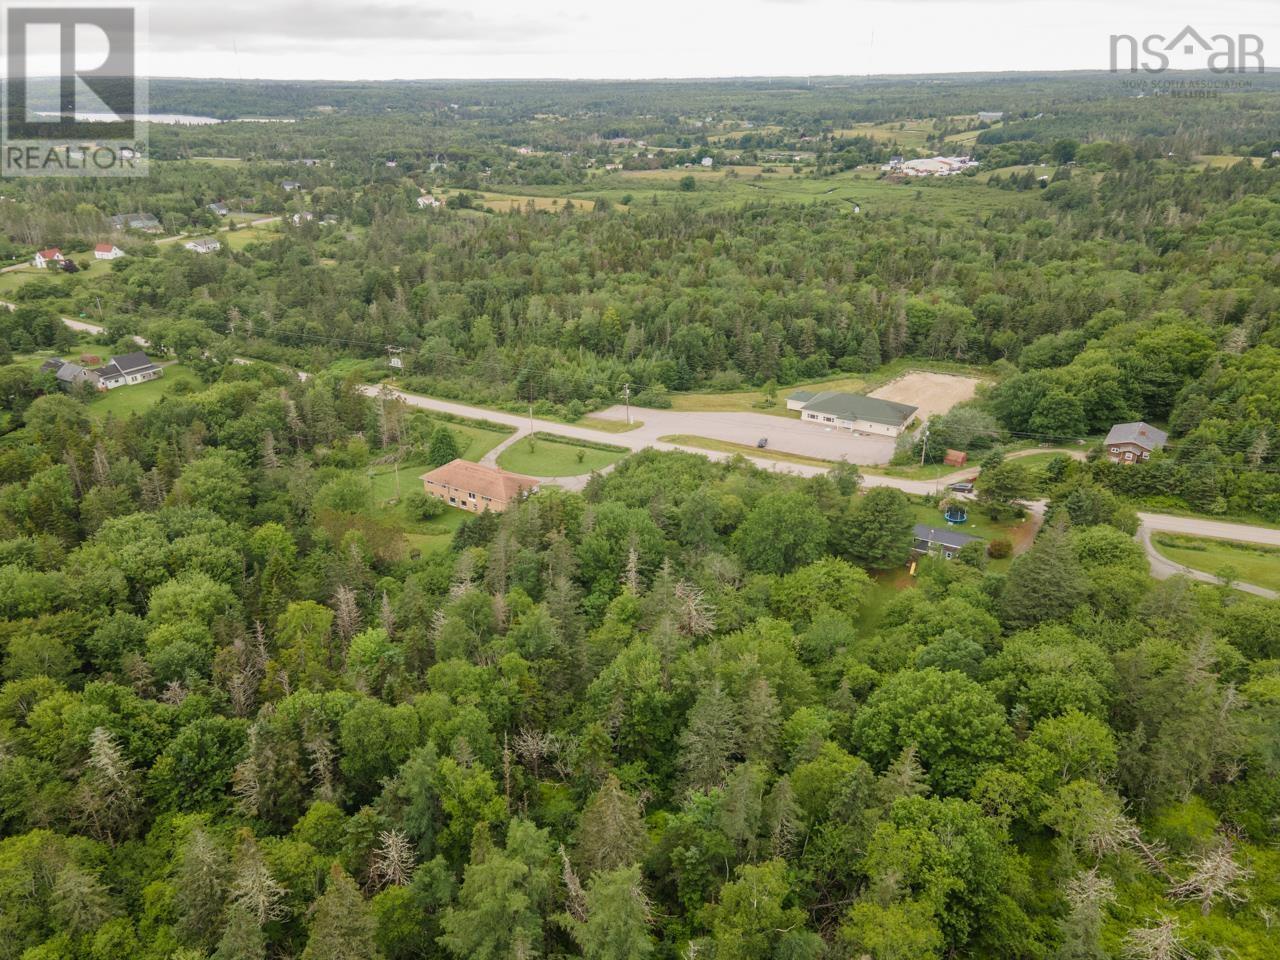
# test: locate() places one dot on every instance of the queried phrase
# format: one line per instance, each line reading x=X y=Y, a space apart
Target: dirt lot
x=930 y=393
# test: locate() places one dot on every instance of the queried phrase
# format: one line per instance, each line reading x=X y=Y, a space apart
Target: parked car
x=962 y=487
x=762 y=442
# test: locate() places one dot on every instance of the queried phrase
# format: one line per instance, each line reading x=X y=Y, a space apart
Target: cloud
x=330 y=24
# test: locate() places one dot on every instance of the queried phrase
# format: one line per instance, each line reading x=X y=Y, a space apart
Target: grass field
x=239 y=239
x=93 y=268
x=610 y=426
x=724 y=446
x=1251 y=562
x=540 y=455
x=863 y=189
x=476 y=441
x=427 y=536
x=126 y=400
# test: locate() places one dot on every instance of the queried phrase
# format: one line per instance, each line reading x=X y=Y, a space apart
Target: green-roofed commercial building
x=852 y=411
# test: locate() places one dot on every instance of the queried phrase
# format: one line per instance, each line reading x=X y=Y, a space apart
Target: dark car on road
x=963 y=487
x=762 y=442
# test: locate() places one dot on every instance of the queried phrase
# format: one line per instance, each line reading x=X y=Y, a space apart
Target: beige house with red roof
x=107 y=251
x=476 y=487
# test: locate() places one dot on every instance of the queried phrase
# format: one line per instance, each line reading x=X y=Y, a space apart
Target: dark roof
x=946 y=537
x=1143 y=434
x=802 y=396
x=128 y=363
x=53 y=363
x=854 y=406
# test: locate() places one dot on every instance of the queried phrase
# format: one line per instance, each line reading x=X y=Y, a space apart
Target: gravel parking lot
x=790 y=436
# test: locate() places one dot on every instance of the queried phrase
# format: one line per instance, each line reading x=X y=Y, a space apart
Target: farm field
x=863 y=190
x=1250 y=562
x=544 y=455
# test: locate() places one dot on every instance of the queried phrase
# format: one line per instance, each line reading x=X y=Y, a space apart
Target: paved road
x=1162 y=568
x=93 y=328
x=689 y=423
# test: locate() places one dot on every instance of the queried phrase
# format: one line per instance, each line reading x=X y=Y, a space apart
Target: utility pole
x=924 y=445
x=531 y=406
x=626 y=393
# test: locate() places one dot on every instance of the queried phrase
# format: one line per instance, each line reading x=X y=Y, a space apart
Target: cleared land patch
x=929 y=393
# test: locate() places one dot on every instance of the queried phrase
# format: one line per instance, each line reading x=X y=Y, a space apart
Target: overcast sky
x=384 y=39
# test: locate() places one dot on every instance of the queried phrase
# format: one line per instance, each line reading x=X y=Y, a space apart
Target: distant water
x=183 y=119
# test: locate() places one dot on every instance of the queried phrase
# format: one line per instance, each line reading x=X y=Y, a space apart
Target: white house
x=203 y=245
x=220 y=209
x=990 y=116
x=707 y=162
x=107 y=251
x=852 y=412
x=45 y=257
x=128 y=369
x=427 y=200
x=291 y=185
x=300 y=218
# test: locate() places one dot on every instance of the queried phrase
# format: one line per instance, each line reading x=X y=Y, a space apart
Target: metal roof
x=946 y=537
x=855 y=406
x=1143 y=434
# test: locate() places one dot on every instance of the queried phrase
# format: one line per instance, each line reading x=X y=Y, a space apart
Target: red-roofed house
x=476 y=487
x=45 y=257
x=107 y=251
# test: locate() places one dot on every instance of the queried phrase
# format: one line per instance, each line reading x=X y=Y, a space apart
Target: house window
x=453 y=500
x=471 y=495
x=1128 y=456
x=1115 y=449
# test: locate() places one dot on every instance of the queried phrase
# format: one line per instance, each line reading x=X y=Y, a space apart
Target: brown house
x=1133 y=442
x=474 y=486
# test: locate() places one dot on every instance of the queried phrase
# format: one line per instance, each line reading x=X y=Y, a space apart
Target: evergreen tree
x=342 y=926
x=443 y=447
x=1045 y=583
x=876 y=531
x=242 y=938
x=616 y=924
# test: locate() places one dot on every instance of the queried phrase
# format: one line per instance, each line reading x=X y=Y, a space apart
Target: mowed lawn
x=1251 y=562
x=539 y=455
x=474 y=441
x=123 y=401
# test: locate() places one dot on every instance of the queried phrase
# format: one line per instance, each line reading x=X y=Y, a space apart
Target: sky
x=390 y=39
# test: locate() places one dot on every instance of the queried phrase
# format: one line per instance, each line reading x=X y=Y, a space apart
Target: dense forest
x=241 y=720
x=257 y=702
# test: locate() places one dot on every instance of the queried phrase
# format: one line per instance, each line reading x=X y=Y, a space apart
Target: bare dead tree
x=346 y=613
x=393 y=862
x=1157 y=942
x=695 y=614
x=1214 y=876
